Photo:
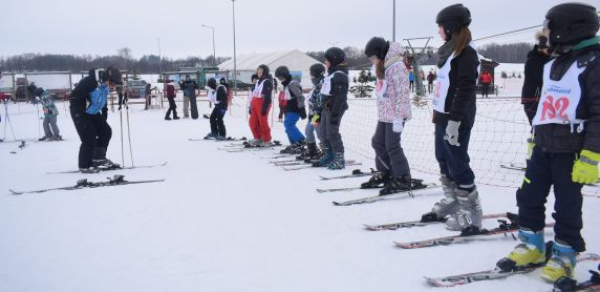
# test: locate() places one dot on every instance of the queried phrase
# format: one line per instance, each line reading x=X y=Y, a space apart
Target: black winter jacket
x=557 y=138
x=460 y=102
x=222 y=97
x=81 y=94
x=267 y=92
x=338 y=101
x=532 y=84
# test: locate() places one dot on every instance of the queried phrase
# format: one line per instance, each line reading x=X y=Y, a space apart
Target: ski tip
x=15 y=192
x=336 y=203
x=371 y=227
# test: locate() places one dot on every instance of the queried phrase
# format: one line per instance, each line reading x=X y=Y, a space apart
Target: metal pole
x=214 y=49
x=394 y=23
x=234 y=55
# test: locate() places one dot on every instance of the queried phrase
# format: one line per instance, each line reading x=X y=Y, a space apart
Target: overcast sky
x=100 y=27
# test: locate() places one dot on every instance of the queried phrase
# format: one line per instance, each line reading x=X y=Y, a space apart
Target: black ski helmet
x=282 y=72
x=212 y=83
x=452 y=18
x=113 y=75
x=38 y=91
x=266 y=71
x=570 y=23
x=335 y=56
x=377 y=47
x=317 y=70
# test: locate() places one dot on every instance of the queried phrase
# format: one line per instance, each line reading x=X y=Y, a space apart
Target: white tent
x=297 y=61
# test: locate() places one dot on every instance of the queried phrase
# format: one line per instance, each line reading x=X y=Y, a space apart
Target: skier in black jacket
x=454 y=115
x=218 y=96
x=532 y=84
x=334 y=92
x=87 y=101
x=567 y=142
x=295 y=110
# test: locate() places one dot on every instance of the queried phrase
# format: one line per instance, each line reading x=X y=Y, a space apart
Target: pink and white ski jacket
x=394 y=102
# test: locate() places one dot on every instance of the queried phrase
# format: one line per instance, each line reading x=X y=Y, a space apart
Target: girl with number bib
x=566 y=151
x=393 y=104
x=453 y=102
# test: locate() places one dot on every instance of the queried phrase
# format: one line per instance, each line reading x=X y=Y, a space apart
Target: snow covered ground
x=222 y=221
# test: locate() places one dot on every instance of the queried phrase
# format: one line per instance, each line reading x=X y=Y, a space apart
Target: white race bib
x=257 y=93
x=442 y=85
x=559 y=99
x=326 y=88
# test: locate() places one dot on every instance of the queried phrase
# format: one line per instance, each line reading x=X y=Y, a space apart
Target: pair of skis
x=566 y=284
x=113 y=168
x=228 y=139
x=416 y=190
x=303 y=165
x=495 y=274
x=116 y=180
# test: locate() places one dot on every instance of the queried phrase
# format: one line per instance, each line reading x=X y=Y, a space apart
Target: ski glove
x=222 y=111
x=98 y=99
x=452 y=133
x=249 y=110
x=530 y=146
x=585 y=169
x=303 y=113
x=398 y=126
x=316 y=119
x=264 y=112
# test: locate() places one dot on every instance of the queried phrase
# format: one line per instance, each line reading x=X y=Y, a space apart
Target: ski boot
x=325 y=160
x=396 y=185
x=43 y=138
x=561 y=264
x=210 y=136
x=446 y=206
x=253 y=143
x=221 y=138
x=376 y=180
x=469 y=213
x=55 y=138
x=311 y=153
x=338 y=162
x=530 y=252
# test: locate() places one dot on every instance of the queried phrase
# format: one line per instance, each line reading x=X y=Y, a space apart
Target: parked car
x=136 y=88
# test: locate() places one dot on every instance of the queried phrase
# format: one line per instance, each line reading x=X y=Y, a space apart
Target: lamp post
x=394 y=22
x=234 y=56
x=214 y=50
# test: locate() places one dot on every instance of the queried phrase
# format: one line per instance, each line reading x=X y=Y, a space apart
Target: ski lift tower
x=415 y=54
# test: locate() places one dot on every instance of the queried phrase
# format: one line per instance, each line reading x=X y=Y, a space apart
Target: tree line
x=123 y=59
x=148 y=64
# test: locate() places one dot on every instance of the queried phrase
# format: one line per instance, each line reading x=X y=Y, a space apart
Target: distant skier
x=567 y=143
x=295 y=109
x=51 y=131
x=335 y=103
x=311 y=152
x=171 y=94
x=218 y=96
x=454 y=115
x=260 y=106
x=86 y=103
x=394 y=110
